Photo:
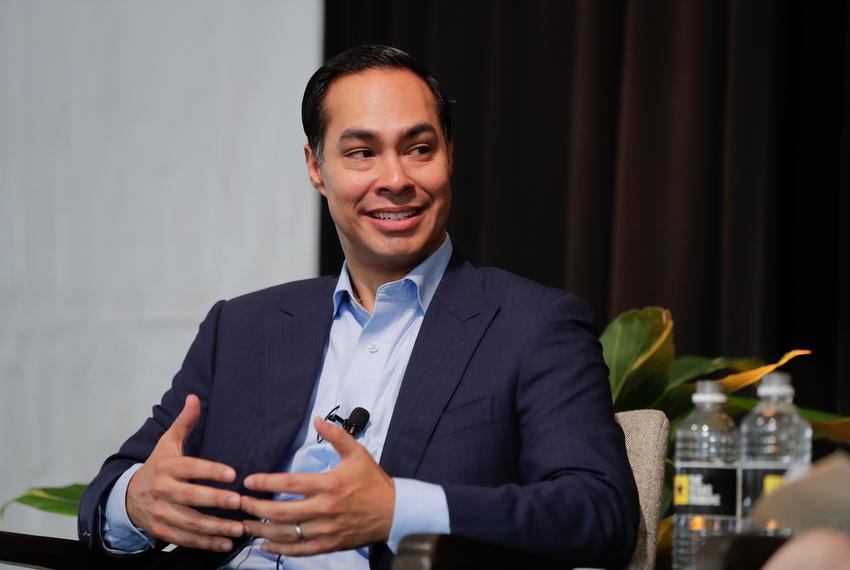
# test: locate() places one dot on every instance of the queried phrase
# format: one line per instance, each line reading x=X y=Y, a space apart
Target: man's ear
x=314 y=170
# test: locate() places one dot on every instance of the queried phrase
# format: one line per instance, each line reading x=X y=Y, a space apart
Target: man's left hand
x=346 y=507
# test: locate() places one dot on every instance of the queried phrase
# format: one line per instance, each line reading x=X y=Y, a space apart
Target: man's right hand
x=160 y=498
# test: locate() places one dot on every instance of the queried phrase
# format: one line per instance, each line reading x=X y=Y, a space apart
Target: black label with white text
x=705 y=489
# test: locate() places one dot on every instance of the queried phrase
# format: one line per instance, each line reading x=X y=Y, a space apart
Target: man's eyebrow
x=366 y=135
x=418 y=129
x=357 y=134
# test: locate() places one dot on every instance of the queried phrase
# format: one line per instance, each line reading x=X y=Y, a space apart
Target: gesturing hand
x=346 y=507
x=160 y=498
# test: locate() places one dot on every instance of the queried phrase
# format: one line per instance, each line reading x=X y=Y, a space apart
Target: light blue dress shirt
x=364 y=364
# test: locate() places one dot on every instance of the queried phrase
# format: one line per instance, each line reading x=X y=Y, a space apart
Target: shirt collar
x=425 y=277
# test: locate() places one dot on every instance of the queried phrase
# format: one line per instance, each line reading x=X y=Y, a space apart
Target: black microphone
x=355 y=423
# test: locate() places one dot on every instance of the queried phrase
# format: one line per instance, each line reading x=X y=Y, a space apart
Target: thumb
x=340 y=439
x=184 y=422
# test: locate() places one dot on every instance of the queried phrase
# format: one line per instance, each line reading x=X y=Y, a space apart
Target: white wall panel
x=150 y=164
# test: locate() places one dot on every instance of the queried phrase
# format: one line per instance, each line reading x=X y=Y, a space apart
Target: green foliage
x=824 y=425
x=638 y=349
x=645 y=373
x=59 y=500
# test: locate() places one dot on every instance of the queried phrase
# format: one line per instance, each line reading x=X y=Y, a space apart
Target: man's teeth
x=394 y=215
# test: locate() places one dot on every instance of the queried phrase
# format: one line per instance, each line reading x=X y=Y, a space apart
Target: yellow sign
x=680 y=490
x=772 y=483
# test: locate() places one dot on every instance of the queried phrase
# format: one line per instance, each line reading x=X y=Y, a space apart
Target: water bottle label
x=755 y=482
x=705 y=489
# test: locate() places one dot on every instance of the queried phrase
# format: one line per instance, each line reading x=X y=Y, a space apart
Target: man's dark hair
x=358 y=60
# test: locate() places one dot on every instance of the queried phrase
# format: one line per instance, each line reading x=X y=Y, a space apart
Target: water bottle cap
x=708 y=392
x=775 y=384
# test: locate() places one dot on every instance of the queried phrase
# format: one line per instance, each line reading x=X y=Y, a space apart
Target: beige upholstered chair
x=646 y=446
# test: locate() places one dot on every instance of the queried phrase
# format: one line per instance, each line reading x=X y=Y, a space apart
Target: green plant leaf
x=637 y=346
x=676 y=403
x=686 y=368
x=667 y=496
x=824 y=424
x=652 y=388
x=59 y=500
x=738 y=404
x=833 y=430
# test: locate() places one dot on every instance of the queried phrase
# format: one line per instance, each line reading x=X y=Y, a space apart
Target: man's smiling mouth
x=395 y=216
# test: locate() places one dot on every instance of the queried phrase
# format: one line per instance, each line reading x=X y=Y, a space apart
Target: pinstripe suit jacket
x=505 y=403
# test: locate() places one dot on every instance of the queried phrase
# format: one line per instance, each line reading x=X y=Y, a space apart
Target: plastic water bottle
x=776 y=443
x=705 y=489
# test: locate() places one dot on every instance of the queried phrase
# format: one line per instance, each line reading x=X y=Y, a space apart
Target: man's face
x=386 y=170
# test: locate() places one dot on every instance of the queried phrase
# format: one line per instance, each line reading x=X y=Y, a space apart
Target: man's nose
x=392 y=175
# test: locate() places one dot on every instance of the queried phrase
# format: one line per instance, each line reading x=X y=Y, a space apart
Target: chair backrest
x=646 y=446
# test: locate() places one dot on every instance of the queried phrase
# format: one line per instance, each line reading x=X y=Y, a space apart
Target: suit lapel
x=296 y=330
x=453 y=326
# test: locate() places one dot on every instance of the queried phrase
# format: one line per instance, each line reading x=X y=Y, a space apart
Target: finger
x=282 y=511
x=196 y=468
x=184 y=422
x=340 y=439
x=301 y=548
x=192 y=521
x=190 y=539
x=195 y=495
x=275 y=531
x=293 y=483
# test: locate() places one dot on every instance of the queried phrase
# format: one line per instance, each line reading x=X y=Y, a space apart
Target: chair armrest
x=31 y=551
x=451 y=552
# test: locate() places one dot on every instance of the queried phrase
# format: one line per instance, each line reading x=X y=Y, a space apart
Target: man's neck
x=365 y=283
x=367 y=278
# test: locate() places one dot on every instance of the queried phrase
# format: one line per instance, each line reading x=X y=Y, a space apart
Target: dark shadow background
x=694 y=155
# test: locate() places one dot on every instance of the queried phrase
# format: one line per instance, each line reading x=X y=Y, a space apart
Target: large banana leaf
x=59 y=500
x=638 y=349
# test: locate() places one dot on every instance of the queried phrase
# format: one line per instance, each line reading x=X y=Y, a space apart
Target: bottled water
x=706 y=483
x=776 y=443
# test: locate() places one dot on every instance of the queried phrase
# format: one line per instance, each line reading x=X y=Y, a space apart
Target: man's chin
x=398 y=258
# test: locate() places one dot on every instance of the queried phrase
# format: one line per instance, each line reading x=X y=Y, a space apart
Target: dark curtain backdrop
x=694 y=155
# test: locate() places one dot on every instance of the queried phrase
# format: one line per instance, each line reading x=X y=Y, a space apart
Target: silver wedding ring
x=299 y=534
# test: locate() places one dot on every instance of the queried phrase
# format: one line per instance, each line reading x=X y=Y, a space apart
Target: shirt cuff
x=119 y=534
x=419 y=507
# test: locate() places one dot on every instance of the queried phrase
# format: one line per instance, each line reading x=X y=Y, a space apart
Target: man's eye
x=359 y=154
x=420 y=149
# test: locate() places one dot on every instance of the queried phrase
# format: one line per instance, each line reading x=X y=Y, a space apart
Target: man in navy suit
x=491 y=411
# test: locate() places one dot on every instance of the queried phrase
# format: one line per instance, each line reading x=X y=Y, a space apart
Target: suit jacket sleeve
x=194 y=377
x=575 y=497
